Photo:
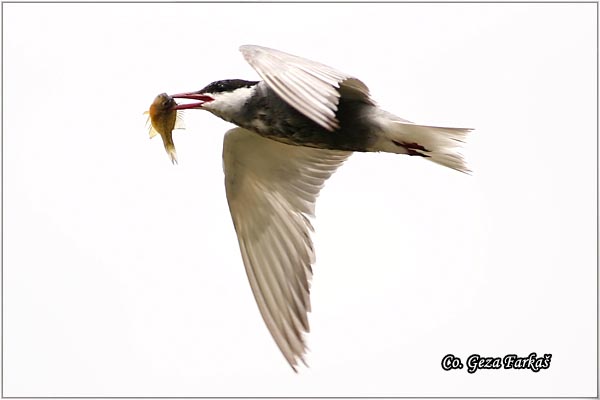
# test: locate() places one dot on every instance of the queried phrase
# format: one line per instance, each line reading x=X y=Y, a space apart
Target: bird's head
x=223 y=98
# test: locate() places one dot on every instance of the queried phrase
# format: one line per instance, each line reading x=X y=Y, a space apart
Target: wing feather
x=271 y=189
x=311 y=88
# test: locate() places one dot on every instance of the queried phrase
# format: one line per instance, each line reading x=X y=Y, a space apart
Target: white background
x=122 y=273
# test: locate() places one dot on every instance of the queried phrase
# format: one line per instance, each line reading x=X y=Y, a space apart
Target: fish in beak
x=199 y=97
x=164 y=118
x=165 y=115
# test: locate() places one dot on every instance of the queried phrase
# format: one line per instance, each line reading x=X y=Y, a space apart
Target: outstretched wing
x=312 y=88
x=271 y=189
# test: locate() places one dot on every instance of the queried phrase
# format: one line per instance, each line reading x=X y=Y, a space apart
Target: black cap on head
x=227 y=85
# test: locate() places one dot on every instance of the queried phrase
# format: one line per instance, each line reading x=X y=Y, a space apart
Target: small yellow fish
x=164 y=117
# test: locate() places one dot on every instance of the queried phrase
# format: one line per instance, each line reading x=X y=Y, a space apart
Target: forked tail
x=438 y=144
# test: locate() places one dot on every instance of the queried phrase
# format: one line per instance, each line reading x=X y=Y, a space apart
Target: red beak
x=201 y=98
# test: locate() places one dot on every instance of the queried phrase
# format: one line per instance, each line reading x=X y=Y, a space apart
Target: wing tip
x=248 y=49
x=298 y=358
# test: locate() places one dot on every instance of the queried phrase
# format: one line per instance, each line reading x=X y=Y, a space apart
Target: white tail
x=437 y=144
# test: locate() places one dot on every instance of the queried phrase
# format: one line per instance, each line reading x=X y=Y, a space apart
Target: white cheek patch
x=229 y=103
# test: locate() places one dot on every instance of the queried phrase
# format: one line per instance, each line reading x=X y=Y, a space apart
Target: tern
x=294 y=129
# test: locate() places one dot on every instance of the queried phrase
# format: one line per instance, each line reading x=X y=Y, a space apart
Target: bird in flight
x=294 y=129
